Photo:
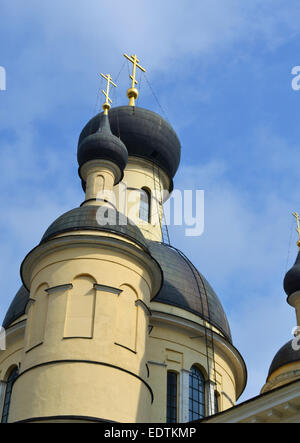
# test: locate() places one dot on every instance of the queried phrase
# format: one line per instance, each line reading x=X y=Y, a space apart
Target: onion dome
x=17 y=307
x=87 y=218
x=101 y=144
x=291 y=282
x=286 y=355
x=145 y=134
x=184 y=287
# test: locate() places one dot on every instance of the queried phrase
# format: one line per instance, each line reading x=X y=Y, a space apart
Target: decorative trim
x=99 y=200
x=157 y=363
x=135 y=250
x=59 y=288
x=33 y=347
x=81 y=338
x=105 y=288
x=239 y=365
x=65 y=417
x=281 y=379
x=125 y=347
x=253 y=406
x=140 y=302
x=90 y=362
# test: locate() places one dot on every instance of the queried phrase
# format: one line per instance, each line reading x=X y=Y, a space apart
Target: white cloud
x=243 y=253
x=244 y=248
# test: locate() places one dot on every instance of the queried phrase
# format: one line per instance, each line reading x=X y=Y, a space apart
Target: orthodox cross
x=296 y=215
x=133 y=93
x=106 y=106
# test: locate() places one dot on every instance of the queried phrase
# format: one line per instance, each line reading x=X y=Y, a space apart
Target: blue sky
x=221 y=70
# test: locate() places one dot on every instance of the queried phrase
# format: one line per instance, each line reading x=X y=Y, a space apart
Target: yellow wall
x=172 y=348
x=87 y=351
x=106 y=330
x=141 y=174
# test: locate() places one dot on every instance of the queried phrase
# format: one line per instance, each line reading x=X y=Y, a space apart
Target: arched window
x=10 y=382
x=171 y=397
x=145 y=201
x=196 y=394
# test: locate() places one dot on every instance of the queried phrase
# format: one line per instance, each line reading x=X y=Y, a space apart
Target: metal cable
x=156 y=99
x=289 y=247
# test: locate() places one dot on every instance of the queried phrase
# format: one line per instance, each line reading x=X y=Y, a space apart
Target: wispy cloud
x=212 y=65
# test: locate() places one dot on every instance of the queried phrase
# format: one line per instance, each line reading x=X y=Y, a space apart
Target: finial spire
x=132 y=92
x=106 y=106
x=296 y=215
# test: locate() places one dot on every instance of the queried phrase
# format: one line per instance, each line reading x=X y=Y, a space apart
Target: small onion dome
x=286 y=355
x=86 y=218
x=291 y=282
x=146 y=135
x=102 y=145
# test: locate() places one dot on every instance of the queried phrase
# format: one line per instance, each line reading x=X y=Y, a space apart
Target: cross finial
x=296 y=215
x=133 y=93
x=106 y=106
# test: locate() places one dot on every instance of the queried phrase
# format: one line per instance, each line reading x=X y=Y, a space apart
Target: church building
x=112 y=323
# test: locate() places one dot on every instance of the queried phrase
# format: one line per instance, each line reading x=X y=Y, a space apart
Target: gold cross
x=295 y=214
x=106 y=106
x=133 y=93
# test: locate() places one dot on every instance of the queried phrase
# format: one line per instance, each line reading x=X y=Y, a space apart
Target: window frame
x=197 y=394
x=145 y=205
x=13 y=375
x=172 y=399
x=216 y=402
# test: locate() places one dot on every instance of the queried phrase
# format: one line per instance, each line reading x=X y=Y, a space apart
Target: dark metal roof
x=183 y=285
x=144 y=133
x=284 y=356
x=85 y=218
x=103 y=145
x=186 y=288
x=17 y=307
x=291 y=282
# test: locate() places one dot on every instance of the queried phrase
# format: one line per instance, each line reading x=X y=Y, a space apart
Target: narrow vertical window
x=145 y=199
x=171 y=397
x=9 y=386
x=196 y=394
x=216 y=403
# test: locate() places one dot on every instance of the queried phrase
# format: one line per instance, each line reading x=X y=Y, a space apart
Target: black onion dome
x=291 y=282
x=85 y=218
x=17 y=307
x=184 y=287
x=102 y=144
x=145 y=134
x=284 y=356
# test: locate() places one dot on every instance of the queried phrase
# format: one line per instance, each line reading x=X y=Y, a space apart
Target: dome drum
x=286 y=355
